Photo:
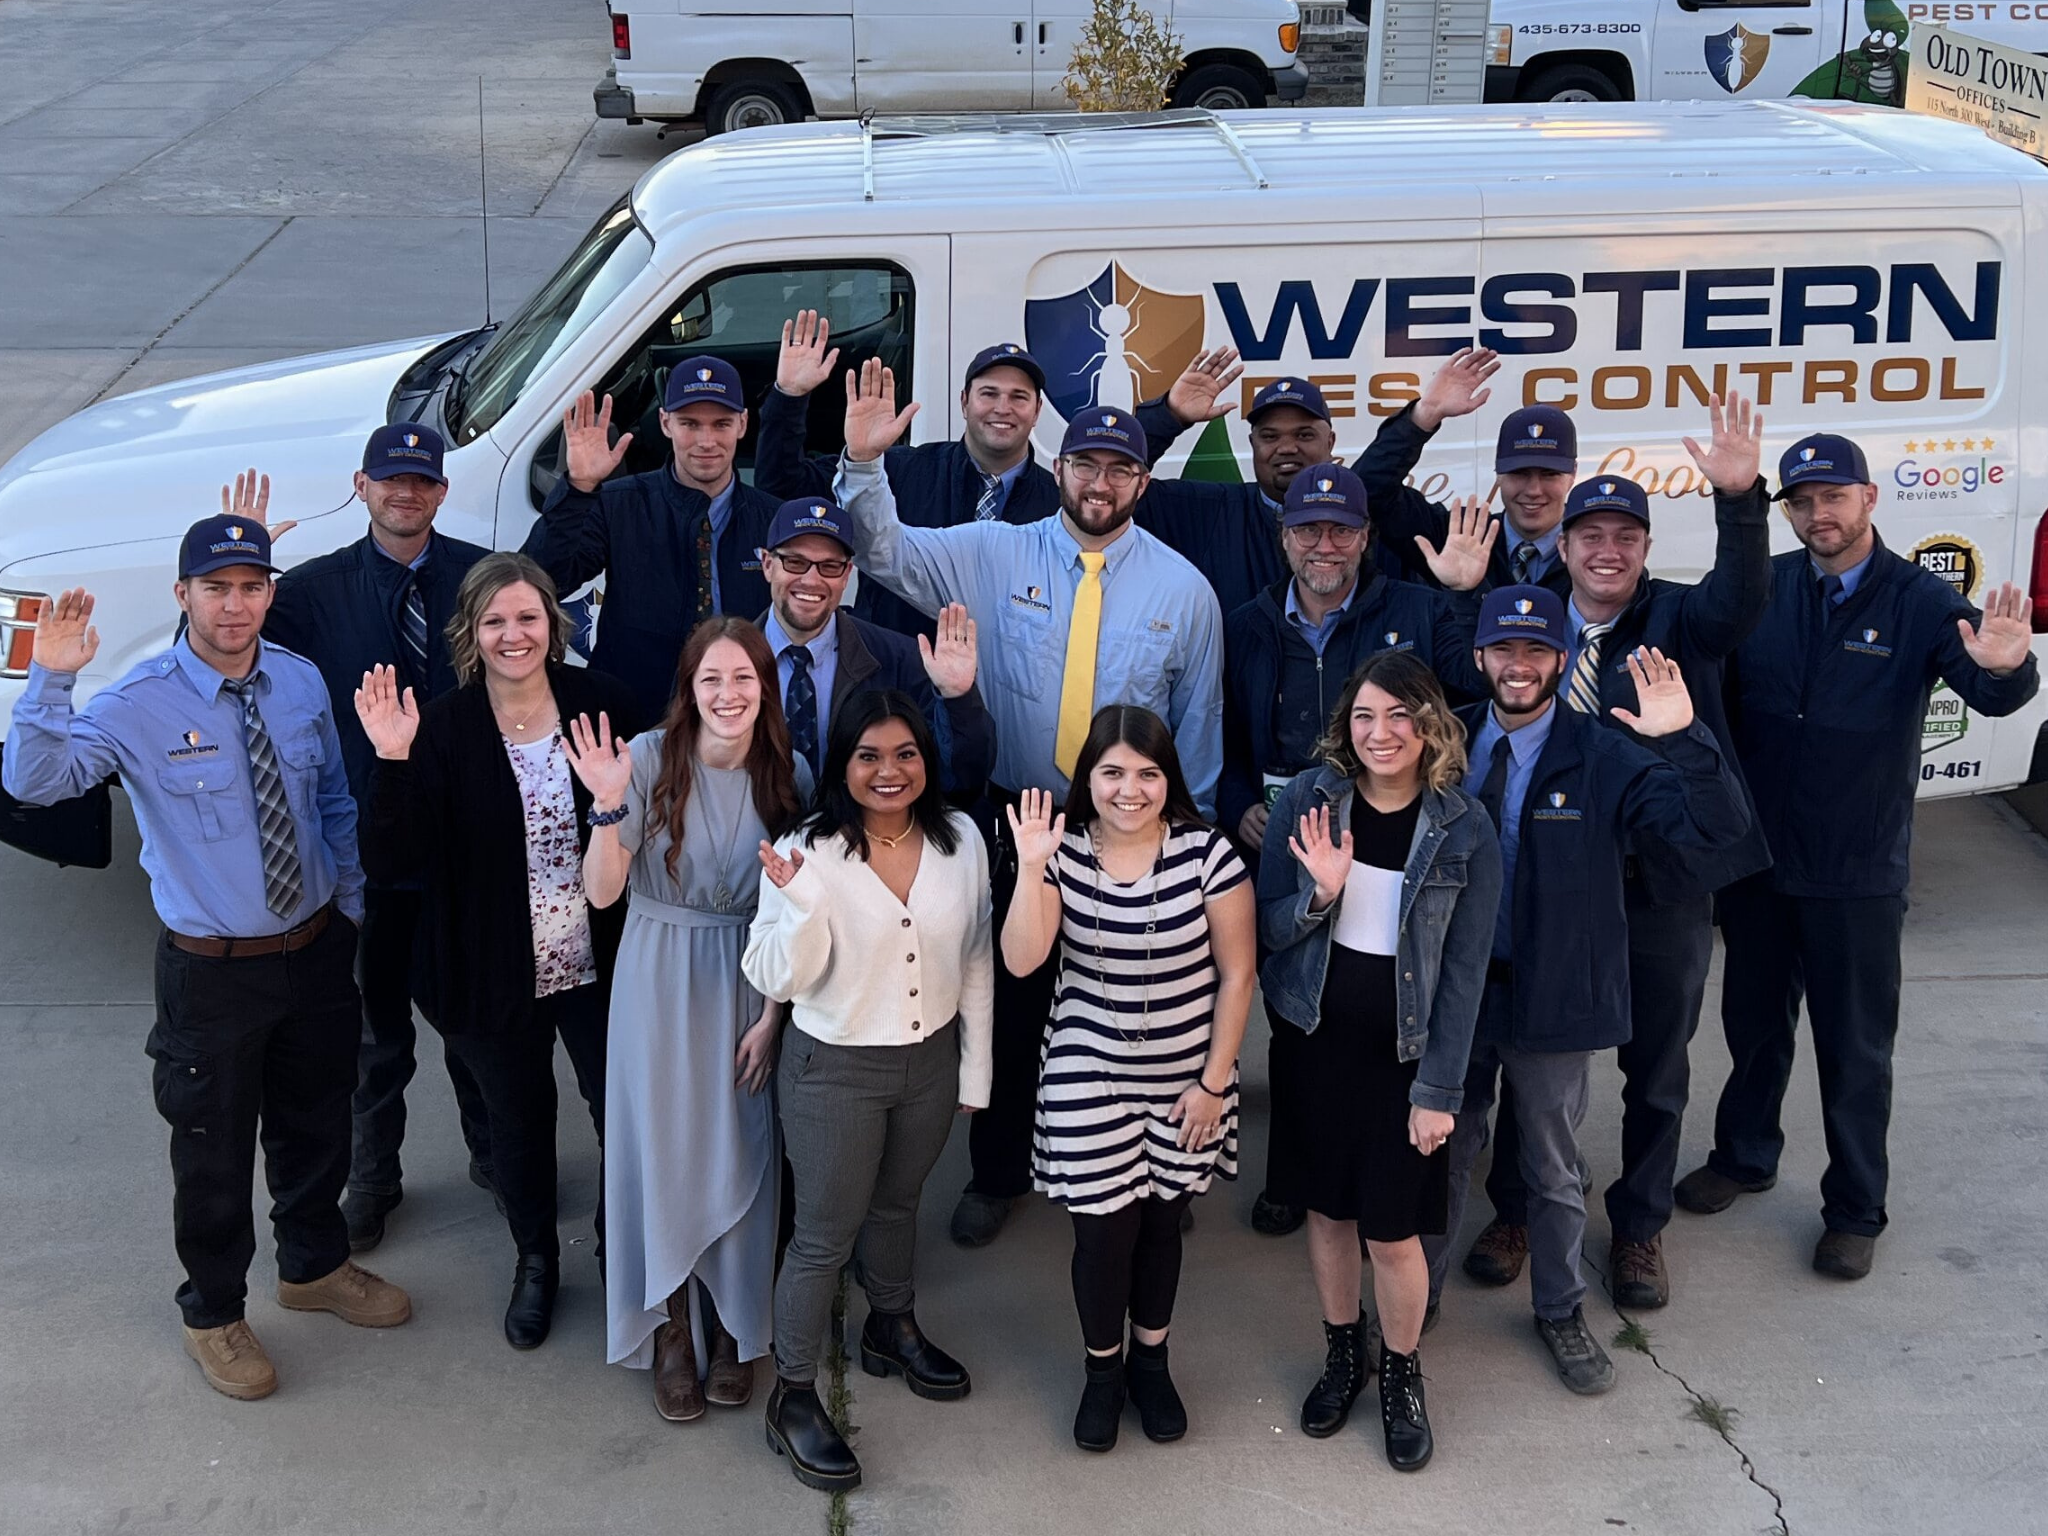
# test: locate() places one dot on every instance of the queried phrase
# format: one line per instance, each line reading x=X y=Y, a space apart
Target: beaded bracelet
x=610 y=818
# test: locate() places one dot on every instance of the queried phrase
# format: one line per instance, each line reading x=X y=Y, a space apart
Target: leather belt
x=272 y=944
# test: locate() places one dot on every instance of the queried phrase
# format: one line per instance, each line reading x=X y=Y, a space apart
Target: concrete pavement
x=190 y=186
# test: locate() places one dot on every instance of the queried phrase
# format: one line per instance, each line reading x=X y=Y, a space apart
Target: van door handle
x=1043 y=27
x=1792 y=31
x=1020 y=34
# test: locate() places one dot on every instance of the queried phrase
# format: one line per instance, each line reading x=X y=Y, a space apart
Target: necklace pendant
x=721 y=897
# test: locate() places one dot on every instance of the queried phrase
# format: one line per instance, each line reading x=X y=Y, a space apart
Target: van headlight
x=1500 y=44
x=18 y=614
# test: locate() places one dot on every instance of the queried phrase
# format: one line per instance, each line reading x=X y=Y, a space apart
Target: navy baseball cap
x=215 y=543
x=404 y=448
x=1324 y=493
x=807 y=514
x=1822 y=459
x=1536 y=437
x=1108 y=429
x=1521 y=613
x=1606 y=493
x=1298 y=393
x=703 y=381
x=1005 y=354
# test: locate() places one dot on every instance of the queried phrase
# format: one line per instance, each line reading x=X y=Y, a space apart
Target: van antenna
x=483 y=187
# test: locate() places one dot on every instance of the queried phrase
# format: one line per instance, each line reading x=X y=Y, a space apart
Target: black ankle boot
x=532 y=1308
x=1409 y=1444
x=800 y=1429
x=1160 y=1410
x=892 y=1343
x=1102 y=1404
x=1328 y=1404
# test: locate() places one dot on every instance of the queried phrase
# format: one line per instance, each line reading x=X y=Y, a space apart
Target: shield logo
x=1523 y=605
x=1109 y=421
x=1392 y=637
x=1011 y=348
x=1284 y=385
x=1606 y=487
x=817 y=511
x=235 y=532
x=1557 y=799
x=1806 y=455
x=411 y=439
x=1535 y=429
x=1032 y=593
x=1870 y=637
x=1736 y=57
x=704 y=375
x=191 y=738
x=1324 y=485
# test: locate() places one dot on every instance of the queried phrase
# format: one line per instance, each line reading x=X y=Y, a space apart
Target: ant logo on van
x=1112 y=343
x=1736 y=57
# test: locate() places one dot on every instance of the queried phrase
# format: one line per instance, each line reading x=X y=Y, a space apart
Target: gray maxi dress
x=692 y=1163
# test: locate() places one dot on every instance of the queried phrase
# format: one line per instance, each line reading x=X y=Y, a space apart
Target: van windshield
x=609 y=257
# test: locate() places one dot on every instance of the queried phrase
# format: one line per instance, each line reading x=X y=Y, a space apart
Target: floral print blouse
x=563 y=956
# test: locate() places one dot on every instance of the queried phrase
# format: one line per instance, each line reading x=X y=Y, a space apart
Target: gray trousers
x=862 y=1127
x=1551 y=1089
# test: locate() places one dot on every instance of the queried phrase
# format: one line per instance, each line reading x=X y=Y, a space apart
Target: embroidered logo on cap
x=411 y=439
x=1535 y=429
x=1523 y=605
x=704 y=374
x=1324 y=485
x=1284 y=385
x=1807 y=453
x=235 y=532
x=1606 y=487
x=1392 y=637
x=1109 y=421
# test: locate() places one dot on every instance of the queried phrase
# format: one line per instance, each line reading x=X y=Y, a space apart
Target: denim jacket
x=1450 y=893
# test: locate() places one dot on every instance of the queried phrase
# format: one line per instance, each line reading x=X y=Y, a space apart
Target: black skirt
x=1340 y=1112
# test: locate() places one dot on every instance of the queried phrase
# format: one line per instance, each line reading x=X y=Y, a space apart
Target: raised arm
x=1033 y=922
x=572 y=539
x=337 y=807
x=790 y=946
x=53 y=753
x=782 y=467
x=1718 y=612
x=1988 y=657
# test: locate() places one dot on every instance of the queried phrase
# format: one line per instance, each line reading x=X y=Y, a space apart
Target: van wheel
x=1570 y=82
x=751 y=104
x=1220 y=88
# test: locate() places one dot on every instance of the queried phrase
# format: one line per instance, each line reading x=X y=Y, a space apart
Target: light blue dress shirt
x=175 y=737
x=1524 y=747
x=1318 y=635
x=1546 y=548
x=824 y=667
x=1849 y=578
x=1160 y=644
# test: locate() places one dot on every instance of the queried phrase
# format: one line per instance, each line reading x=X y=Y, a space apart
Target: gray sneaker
x=1581 y=1363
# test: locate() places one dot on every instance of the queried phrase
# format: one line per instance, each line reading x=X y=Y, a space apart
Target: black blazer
x=450 y=815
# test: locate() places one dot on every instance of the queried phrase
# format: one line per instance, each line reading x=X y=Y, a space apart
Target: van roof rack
x=1050 y=125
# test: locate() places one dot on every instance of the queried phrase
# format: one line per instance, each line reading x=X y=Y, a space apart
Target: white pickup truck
x=1680 y=50
x=781 y=61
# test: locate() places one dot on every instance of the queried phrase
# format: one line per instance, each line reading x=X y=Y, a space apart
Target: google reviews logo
x=1945 y=482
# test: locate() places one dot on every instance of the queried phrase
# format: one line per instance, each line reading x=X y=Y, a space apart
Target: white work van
x=1854 y=269
x=781 y=61
x=1677 y=50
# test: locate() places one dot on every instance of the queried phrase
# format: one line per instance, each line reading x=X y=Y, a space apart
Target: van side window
x=738 y=315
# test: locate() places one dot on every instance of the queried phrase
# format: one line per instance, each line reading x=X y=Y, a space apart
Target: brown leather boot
x=233 y=1360
x=678 y=1395
x=728 y=1382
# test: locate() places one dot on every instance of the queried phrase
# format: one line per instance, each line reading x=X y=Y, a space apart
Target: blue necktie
x=803 y=707
x=1830 y=595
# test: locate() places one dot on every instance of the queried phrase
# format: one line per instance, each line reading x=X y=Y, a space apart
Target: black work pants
x=1670 y=949
x=243 y=1042
x=999 y=1137
x=385 y=1058
x=1127 y=1264
x=516 y=1073
x=1841 y=955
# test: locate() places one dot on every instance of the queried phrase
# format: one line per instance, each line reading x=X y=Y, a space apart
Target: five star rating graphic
x=1950 y=445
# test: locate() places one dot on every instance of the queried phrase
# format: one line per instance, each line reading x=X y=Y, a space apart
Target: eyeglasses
x=1087 y=472
x=1311 y=534
x=796 y=565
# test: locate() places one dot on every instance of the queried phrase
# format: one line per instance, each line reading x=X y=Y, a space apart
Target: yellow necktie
x=1077 y=688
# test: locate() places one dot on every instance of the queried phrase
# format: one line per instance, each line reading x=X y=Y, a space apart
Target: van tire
x=751 y=103
x=1570 y=82
x=1219 y=87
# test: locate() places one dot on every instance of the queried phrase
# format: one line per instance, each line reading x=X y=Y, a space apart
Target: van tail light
x=2037 y=588
x=18 y=614
x=1290 y=36
x=622 y=37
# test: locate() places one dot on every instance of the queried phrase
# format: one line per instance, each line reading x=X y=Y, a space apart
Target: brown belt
x=274 y=944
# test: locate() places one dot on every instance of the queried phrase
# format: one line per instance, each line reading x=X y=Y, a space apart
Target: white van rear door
x=1704 y=49
x=942 y=55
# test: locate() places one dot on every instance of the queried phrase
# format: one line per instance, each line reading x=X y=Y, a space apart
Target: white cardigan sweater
x=862 y=968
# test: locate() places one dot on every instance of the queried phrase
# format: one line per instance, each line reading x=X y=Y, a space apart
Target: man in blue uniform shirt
x=1829 y=694
x=675 y=545
x=1085 y=610
x=1570 y=798
x=384 y=600
x=230 y=757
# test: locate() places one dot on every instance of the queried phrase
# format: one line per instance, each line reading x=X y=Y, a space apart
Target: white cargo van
x=1854 y=269
x=781 y=61
x=1675 y=50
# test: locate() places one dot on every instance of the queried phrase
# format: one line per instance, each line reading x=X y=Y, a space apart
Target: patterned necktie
x=413 y=627
x=1523 y=562
x=704 y=605
x=1493 y=793
x=1585 y=689
x=1077 y=687
x=283 y=883
x=803 y=707
x=989 y=508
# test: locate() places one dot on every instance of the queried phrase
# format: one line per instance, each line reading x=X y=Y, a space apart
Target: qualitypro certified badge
x=1959 y=563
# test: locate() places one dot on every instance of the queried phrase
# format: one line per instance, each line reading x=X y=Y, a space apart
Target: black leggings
x=1127 y=1264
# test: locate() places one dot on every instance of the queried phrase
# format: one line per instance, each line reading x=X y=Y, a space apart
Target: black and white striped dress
x=1130 y=1034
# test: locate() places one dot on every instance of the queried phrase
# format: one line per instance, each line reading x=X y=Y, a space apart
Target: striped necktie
x=703 y=553
x=283 y=881
x=1524 y=561
x=413 y=626
x=1585 y=689
x=989 y=508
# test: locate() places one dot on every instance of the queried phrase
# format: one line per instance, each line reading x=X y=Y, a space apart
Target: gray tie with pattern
x=283 y=880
